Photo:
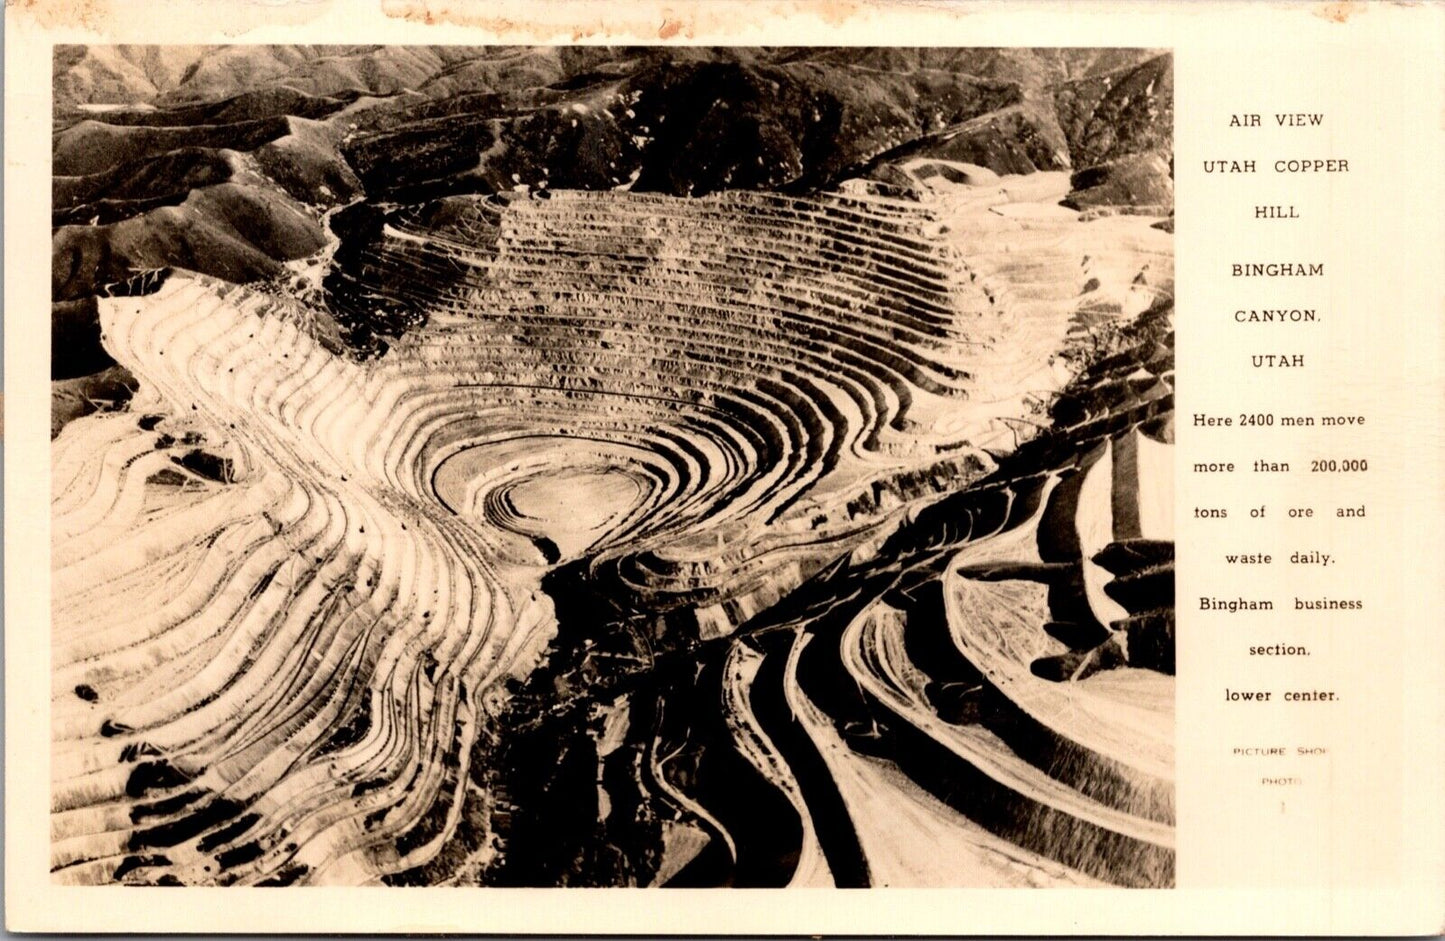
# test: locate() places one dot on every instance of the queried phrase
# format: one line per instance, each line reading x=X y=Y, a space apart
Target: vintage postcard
x=492 y=460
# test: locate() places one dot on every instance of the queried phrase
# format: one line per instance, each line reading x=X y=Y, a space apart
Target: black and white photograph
x=598 y=466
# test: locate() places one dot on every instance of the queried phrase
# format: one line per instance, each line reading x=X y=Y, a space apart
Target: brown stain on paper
x=97 y=15
x=615 y=21
x=837 y=12
x=515 y=20
x=1340 y=11
x=119 y=22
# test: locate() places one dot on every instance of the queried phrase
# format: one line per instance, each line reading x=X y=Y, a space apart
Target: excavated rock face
x=593 y=537
x=236 y=161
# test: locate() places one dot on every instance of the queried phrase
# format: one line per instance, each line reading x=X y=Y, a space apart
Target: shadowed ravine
x=750 y=539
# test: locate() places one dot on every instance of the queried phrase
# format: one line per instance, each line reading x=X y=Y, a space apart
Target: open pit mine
x=461 y=477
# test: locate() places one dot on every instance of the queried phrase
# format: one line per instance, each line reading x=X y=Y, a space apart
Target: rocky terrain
x=590 y=466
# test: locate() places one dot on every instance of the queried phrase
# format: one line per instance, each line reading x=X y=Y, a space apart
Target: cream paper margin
x=1363 y=856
